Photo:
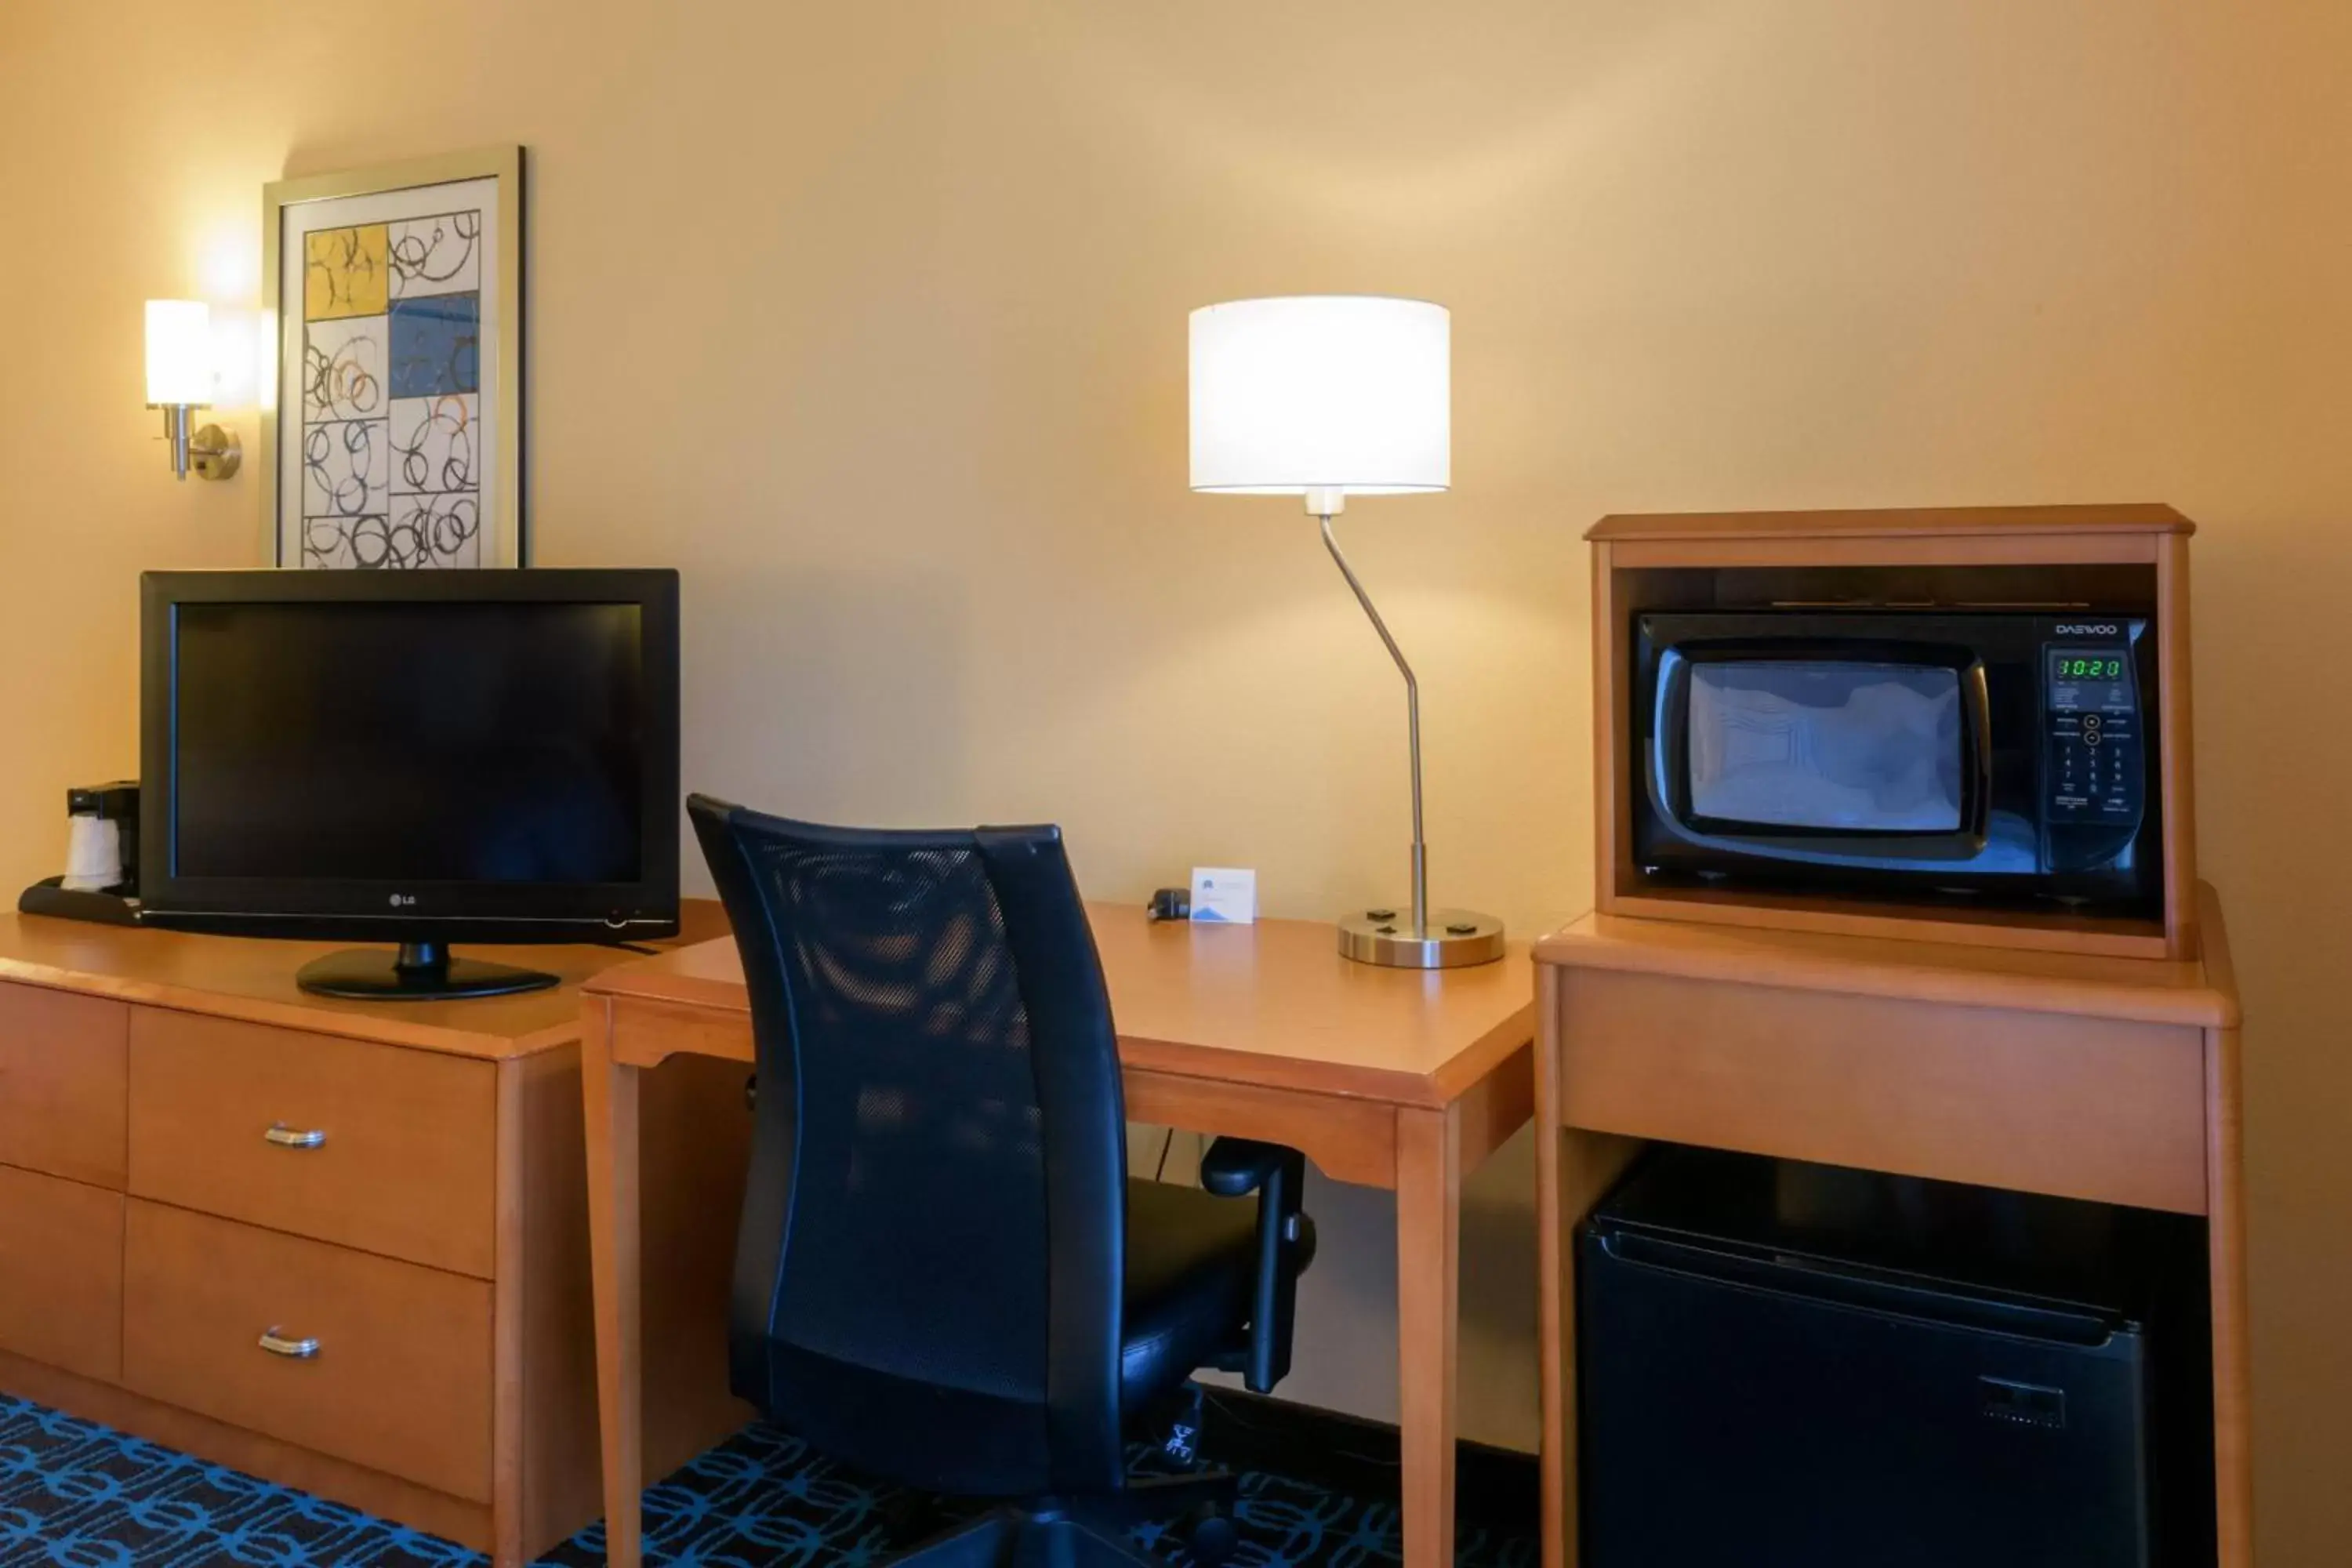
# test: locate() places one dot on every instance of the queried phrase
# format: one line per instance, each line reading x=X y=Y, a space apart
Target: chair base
x=1088 y=1531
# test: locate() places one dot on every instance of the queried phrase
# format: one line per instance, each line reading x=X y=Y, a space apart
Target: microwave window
x=1858 y=748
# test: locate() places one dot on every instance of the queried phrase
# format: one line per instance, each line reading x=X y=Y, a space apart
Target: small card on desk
x=1224 y=895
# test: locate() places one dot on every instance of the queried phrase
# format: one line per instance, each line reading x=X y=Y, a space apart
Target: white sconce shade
x=179 y=354
x=1338 y=393
x=181 y=378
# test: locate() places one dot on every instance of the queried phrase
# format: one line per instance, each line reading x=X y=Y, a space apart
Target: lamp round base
x=1456 y=939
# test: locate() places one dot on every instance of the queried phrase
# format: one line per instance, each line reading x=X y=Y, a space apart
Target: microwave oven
x=2002 y=758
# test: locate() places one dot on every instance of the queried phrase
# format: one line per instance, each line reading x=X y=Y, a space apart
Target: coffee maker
x=101 y=876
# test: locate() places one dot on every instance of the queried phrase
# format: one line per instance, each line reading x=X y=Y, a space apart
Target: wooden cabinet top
x=1917 y=522
x=252 y=978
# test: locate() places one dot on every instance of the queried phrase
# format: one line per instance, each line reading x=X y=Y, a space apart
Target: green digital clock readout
x=2071 y=668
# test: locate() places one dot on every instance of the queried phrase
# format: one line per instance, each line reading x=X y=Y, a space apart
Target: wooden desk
x=2114 y=1079
x=1386 y=1078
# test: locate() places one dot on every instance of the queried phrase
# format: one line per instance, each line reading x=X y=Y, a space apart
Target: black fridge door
x=1738 y=1411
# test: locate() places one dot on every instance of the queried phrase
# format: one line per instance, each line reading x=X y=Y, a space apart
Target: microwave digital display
x=2099 y=680
x=1824 y=744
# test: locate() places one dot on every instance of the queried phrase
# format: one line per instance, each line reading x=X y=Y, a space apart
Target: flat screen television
x=414 y=758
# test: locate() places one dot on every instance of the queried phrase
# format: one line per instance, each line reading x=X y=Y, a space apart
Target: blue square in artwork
x=436 y=345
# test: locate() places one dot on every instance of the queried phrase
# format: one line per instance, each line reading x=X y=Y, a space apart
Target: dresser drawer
x=62 y=1083
x=399 y=1379
x=2104 y=1108
x=61 y=1273
x=405 y=1153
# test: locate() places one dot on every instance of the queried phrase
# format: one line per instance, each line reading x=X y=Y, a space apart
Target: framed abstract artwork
x=392 y=430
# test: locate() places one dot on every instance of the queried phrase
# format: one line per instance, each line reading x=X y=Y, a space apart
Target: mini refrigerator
x=1786 y=1366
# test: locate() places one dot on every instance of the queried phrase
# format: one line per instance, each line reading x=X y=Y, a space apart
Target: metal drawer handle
x=292 y=1350
x=286 y=1136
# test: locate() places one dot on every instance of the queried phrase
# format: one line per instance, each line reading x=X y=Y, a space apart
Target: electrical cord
x=1167 y=1142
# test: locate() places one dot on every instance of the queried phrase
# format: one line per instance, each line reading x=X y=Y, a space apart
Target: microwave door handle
x=1979 y=705
x=1669 y=739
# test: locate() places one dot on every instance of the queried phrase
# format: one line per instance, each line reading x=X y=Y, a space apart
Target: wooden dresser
x=342 y=1246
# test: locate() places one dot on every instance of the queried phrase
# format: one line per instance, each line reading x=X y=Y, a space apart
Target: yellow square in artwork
x=345 y=272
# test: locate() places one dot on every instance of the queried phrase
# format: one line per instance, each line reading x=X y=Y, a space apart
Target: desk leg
x=609 y=1095
x=1577 y=1170
x=1555 y=1319
x=2225 y=1229
x=1573 y=1169
x=1429 y=1261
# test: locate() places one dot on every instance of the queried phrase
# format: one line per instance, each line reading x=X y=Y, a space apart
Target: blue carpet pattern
x=74 y=1494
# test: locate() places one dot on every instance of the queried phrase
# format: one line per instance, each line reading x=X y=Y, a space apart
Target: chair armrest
x=1235 y=1167
x=1232 y=1168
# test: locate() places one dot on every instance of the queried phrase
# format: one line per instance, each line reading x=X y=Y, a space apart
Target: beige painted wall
x=871 y=318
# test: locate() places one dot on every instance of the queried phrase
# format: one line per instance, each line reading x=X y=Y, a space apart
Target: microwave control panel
x=2094 y=768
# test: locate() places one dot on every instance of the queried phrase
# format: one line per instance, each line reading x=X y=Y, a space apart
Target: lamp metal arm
x=1412 y=725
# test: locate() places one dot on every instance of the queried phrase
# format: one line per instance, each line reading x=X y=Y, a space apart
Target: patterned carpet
x=76 y=1495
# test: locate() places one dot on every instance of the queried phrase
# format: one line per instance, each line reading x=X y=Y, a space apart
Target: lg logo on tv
x=404 y=900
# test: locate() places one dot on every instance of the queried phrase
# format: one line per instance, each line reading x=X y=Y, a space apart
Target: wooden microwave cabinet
x=341 y=1246
x=2029 y=1049
x=2043 y=560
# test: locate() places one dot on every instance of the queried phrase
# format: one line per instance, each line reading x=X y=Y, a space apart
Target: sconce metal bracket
x=214 y=453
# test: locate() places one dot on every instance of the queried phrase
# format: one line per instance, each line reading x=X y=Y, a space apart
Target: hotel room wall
x=871 y=318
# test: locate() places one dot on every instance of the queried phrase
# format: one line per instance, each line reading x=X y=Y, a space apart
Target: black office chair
x=944 y=1275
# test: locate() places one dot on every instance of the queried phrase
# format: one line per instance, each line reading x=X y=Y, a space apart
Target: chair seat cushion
x=1192 y=1259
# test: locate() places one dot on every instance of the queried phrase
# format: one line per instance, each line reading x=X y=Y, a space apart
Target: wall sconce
x=179 y=380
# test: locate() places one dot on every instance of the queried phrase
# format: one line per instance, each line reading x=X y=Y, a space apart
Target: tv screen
x=409 y=743
x=369 y=752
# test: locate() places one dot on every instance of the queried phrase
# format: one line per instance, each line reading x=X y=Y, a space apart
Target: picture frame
x=392 y=411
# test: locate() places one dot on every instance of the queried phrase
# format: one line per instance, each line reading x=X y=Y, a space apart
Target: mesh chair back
x=932 y=1233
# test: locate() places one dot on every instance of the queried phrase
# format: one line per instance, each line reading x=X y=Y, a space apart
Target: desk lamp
x=1322 y=397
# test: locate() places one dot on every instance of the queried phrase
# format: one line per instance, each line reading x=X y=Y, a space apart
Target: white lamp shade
x=179 y=351
x=1348 y=392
